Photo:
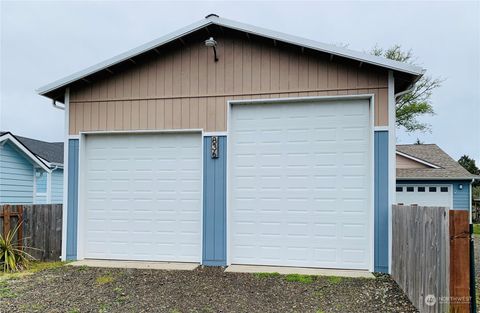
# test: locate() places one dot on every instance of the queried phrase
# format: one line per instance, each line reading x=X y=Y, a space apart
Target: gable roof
x=431 y=154
x=46 y=152
x=55 y=89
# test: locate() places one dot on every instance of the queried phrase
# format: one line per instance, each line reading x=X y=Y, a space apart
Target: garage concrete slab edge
x=179 y=266
x=297 y=270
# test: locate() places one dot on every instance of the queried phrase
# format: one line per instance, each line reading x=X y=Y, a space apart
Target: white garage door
x=300 y=184
x=425 y=195
x=142 y=197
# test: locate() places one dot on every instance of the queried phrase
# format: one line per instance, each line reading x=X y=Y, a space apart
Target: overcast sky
x=44 y=41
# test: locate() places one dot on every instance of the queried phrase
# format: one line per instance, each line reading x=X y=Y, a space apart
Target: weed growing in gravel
x=334 y=279
x=106 y=279
x=6 y=292
x=103 y=308
x=175 y=311
x=306 y=279
x=74 y=311
x=266 y=275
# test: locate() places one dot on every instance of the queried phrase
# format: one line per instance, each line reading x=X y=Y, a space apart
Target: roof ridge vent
x=211 y=15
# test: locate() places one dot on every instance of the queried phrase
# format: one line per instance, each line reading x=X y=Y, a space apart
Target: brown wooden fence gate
x=40 y=228
x=431 y=257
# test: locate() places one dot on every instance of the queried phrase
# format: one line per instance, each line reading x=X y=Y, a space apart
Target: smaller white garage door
x=425 y=195
x=142 y=197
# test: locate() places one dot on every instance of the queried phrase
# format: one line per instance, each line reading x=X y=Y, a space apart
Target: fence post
x=20 y=227
x=6 y=220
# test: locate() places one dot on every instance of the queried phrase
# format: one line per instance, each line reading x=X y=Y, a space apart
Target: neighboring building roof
x=53 y=90
x=51 y=152
x=442 y=165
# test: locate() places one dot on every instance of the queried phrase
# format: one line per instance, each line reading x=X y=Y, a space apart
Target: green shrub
x=12 y=257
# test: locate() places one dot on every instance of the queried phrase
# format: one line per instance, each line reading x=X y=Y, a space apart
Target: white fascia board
x=417 y=160
x=319 y=46
x=21 y=147
x=307 y=43
x=123 y=56
x=434 y=178
x=51 y=164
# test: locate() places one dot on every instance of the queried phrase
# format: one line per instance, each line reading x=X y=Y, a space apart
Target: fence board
x=420 y=254
x=41 y=231
x=459 y=261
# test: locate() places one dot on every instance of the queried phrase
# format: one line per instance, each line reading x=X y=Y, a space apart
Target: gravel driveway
x=81 y=289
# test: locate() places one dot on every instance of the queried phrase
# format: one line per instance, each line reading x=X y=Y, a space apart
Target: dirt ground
x=81 y=289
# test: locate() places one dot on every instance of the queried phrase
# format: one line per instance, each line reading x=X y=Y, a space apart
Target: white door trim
x=368 y=96
x=81 y=225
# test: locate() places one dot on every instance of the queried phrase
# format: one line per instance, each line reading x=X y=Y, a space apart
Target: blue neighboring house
x=31 y=171
x=428 y=176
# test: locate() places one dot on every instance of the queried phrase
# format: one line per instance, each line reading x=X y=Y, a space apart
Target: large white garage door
x=142 y=197
x=300 y=184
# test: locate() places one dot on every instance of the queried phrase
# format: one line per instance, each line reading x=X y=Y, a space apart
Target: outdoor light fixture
x=460 y=187
x=214 y=147
x=210 y=42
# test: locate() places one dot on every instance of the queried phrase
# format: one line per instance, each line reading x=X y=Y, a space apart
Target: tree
x=416 y=103
x=469 y=164
x=418 y=142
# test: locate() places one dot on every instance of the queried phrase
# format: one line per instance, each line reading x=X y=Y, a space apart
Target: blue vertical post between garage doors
x=72 y=205
x=214 y=203
x=381 y=202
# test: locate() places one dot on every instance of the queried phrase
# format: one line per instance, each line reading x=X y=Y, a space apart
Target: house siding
x=461 y=197
x=381 y=218
x=214 y=204
x=16 y=176
x=57 y=186
x=40 y=186
x=72 y=205
x=185 y=89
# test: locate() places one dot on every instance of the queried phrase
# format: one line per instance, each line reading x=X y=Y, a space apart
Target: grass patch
x=334 y=279
x=306 y=279
x=105 y=279
x=33 y=268
x=266 y=275
x=5 y=291
x=476 y=229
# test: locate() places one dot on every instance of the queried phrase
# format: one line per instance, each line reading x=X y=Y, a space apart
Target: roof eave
x=437 y=178
x=416 y=71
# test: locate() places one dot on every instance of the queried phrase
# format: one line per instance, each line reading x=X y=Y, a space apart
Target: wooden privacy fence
x=431 y=257
x=41 y=230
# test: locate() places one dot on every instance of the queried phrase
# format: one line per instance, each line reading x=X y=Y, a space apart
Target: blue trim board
x=461 y=197
x=214 y=204
x=72 y=205
x=381 y=201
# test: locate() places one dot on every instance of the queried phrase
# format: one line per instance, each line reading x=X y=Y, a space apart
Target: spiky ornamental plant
x=12 y=257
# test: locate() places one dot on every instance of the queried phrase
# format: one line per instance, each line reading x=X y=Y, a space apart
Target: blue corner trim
x=381 y=202
x=214 y=204
x=72 y=205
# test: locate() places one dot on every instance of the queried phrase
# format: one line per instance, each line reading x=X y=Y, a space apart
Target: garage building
x=225 y=143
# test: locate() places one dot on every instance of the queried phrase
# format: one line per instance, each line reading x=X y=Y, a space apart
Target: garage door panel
x=142 y=197
x=292 y=168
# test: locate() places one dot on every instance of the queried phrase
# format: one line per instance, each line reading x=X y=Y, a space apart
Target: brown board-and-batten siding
x=186 y=89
